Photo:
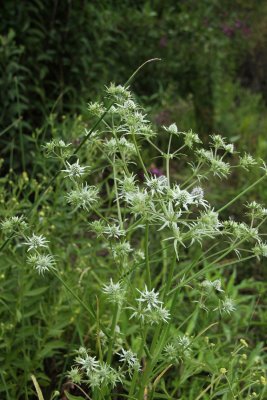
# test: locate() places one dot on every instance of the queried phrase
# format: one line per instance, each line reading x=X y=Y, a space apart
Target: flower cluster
x=177 y=349
x=94 y=372
x=149 y=308
x=13 y=225
x=42 y=262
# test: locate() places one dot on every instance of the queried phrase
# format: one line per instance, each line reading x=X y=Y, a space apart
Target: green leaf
x=71 y=397
x=36 y=292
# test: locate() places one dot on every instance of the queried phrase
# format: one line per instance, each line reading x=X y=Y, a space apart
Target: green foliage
x=206 y=345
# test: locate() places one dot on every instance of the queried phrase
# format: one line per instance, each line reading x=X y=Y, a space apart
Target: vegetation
x=132 y=248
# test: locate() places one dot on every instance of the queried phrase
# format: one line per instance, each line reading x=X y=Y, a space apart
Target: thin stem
x=91 y=312
x=242 y=193
x=168 y=160
x=112 y=336
x=116 y=192
x=148 y=273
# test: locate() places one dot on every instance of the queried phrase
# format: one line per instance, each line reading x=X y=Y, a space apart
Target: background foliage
x=56 y=56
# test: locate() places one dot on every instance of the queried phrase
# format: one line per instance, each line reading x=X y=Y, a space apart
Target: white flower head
x=149 y=298
x=41 y=262
x=87 y=363
x=74 y=170
x=13 y=224
x=83 y=197
x=34 y=242
x=114 y=291
x=198 y=196
x=159 y=314
x=113 y=231
x=260 y=250
x=181 y=197
x=246 y=161
x=130 y=359
x=170 y=218
x=228 y=305
x=171 y=129
x=156 y=184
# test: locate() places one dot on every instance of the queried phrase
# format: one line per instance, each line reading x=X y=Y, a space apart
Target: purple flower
x=163 y=41
x=155 y=171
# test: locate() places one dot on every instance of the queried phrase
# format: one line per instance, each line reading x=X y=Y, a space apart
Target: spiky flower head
x=86 y=362
x=198 y=196
x=181 y=197
x=41 y=262
x=127 y=185
x=191 y=138
x=156 y=185
x=216 y=284
x=130 y=359
x=219 y=167
x=260 y=250
x=217 y=141
x=96 y=109
x=149 y=298
x=74 y=170
x=75 y=375
x=158 y=314
x=13 y=225
x=118 y=92
x=113 y=231
x=114 y=291
x=83 y=197
x=246 y=161
x=256 y=210
x=98 y=227
x=121 y=250
x=35 y=242
x=171 y=129
x=228 y=305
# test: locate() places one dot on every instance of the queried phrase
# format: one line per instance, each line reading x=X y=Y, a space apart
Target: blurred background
x=55 y=56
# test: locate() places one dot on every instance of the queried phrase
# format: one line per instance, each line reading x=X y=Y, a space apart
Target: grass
x=148 y=298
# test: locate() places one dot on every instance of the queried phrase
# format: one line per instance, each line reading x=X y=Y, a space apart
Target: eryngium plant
x=164 y=247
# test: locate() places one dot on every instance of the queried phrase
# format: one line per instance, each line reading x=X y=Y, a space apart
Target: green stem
x=148 y=273
x=112 y=336
x=87 y=308
x=139 y=355
x=242 y=193
x=139 y=155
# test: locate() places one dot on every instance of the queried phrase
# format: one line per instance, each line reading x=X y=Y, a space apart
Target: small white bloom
x=191 y=138
x=114 y=291
x=246 y=161
x=171 y=129
x=13 y=224
x=83 y=197
x=181 y=197
x=156 y=184
x=170 y=218
x=183 y=341
x=34 y=242
x=113 y=231
x=74 y=170
x=260 y=250
x=228 y=305
x=41 y=262
x=130 y=358
x=219 y=167
x=160 y=314
x=86 y=362
x=198 y=196
x=149 y=298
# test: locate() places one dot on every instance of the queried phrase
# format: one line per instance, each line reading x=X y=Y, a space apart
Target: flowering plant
x=165 y=245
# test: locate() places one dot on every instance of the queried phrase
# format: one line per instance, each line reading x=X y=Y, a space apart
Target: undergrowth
x=120 y=280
